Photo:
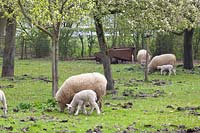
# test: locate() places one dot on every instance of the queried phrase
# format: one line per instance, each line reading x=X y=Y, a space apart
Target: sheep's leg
x=95 y=105
x=170 y=72
x=97 y=108
x=84 y=109
x=161 y=71
x=79 y=107
x=4 y=107
x=174 y=71
x=99 y=101
x=92 y=109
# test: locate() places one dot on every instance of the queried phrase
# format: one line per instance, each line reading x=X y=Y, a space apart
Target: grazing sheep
x=141 y=57
x=80 y=99
x=160 y=60
x=74 y=84
x=168 y=68
x=3 y=100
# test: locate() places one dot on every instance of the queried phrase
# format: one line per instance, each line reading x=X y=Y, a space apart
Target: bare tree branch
x=62 y=6
x=24 y=29
x=178 y=33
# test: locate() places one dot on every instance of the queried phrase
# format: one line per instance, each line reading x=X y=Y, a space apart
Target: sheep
x=82 y=98
x=3 y=101
x=141 y=57
x=160 y=60
x=87 y=81
x=168 y=68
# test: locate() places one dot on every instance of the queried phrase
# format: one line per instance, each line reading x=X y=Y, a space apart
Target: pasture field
x=164 y=104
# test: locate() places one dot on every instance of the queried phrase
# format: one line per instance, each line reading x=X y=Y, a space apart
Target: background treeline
x=80 y=40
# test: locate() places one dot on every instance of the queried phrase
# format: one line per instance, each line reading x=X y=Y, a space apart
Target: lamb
x=160 y=60
x=168 y=68
x=80 y=99
x=3 y=100
x=87 y=81
x=141 y=57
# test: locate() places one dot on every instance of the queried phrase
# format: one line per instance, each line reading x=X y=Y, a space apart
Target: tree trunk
x=103 y=47
x=91 y=43
x=143 y=40
x=146 y=63
x=2 y=32
x=82 y=45
x=55 y=53
x=25 y=50
x=22 y=48
x=9 y=50
x=188 y=59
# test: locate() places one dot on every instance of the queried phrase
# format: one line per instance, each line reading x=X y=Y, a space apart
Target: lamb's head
x=62 y=99
x=70 y=108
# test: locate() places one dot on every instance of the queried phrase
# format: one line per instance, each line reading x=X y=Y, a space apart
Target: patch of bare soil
x=192 y=110
x=135 y=82
x=26 y=76
x=97 y=129
x=179 y=129
x=166 y=128
x=160 y=82
x=7 y=86
x=9 y=128
x=130 y=93
x=125 y=105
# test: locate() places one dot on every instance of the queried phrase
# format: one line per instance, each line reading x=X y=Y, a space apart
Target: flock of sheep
x=88 y=89
x=164 y=62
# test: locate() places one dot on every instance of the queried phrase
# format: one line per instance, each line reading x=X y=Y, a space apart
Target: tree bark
x=103 y=47
x=146 y=63
x=91 y=43
x=22 y=48
x=2 y=32
x=55 y=55
x=9 y=50
x=188 y=59
x=82 y=45
x=2 y=24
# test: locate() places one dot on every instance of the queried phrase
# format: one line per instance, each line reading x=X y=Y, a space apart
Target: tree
x=9 y=50
x=143 y=19
x=48 y=16
x=8 y=11
x=105 y=56
x=102 y=8
x=183 y=17
x=186 y=19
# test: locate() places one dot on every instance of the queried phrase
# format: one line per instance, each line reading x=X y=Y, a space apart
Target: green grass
x=32 y=110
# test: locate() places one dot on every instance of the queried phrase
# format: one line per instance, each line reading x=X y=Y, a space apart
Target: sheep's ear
x=69 y=106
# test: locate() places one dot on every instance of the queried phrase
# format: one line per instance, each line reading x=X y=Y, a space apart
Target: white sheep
x=164 y=59
x=3 y=101
x=87 y=81
x=81 y=99
x=141 y=57
x=168 y=68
